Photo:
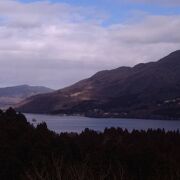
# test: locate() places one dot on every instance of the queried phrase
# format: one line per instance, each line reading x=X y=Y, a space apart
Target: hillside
x=149 y=90
x=9 y=96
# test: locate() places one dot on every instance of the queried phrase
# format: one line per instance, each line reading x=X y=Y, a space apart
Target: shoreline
x=106 y=117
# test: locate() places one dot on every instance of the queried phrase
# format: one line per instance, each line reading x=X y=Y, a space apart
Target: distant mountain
x=9 y=96
x=147 y=90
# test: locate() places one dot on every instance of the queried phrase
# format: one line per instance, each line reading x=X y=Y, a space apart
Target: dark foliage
x=33 y=153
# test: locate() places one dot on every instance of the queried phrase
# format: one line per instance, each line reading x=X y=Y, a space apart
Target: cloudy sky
x=58 y=42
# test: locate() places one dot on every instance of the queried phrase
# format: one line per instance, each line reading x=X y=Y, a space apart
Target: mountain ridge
x=9 y=96
x=138 y=91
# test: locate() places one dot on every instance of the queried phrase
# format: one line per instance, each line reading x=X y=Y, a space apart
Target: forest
x=36 y=153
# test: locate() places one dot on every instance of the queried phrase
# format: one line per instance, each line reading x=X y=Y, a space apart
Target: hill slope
x=150 y=90
x=10 y=96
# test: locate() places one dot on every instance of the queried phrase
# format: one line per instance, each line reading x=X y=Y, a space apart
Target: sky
x=56 y=43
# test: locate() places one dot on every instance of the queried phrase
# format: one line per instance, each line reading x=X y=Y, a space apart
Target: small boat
x=34 y=120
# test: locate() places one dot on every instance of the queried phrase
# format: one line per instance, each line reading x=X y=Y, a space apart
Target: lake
x=59 y=123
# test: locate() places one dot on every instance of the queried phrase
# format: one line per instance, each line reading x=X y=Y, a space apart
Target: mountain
x=147 y=90
x=9 y=96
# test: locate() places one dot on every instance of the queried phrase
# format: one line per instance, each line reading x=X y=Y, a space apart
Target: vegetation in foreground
x=33 y=153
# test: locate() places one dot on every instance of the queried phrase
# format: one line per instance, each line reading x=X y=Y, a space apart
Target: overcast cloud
x=55 y=45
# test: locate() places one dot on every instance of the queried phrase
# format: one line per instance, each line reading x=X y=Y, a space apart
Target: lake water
x=77 y=123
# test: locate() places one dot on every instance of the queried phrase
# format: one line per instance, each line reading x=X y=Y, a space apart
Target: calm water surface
x=77 y=123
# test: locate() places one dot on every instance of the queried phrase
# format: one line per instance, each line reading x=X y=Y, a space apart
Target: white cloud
x=57 y=44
